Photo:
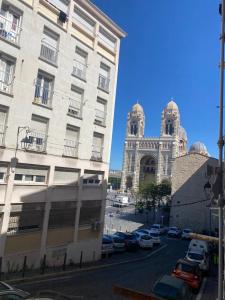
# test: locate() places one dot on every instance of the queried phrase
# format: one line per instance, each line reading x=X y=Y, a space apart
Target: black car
x=130 y=240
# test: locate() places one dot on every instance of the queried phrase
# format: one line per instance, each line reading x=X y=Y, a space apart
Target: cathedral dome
x=182 y=134
x=199 y=147
x=137 y=108
x=172 y=105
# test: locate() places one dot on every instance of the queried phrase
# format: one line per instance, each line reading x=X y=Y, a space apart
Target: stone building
x=191 y=203
x=58 y=73
x=151 y=158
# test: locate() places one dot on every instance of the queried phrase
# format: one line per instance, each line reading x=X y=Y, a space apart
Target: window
x=43 y=89
x=100 y=112
x=49 y=46
x=10 y=22
x=71 y=141
x=106 y=39
x=31 y=174
x=75 y=102
x=36 y=138
x=80 y=64
x=26 y=217
x=7 y=67
x=103 y=80
x=3 y=117
x=97 y=147
x=84 y=21
x=62 y=214
x=92 y=178
x=60 y=4
x=66 y=176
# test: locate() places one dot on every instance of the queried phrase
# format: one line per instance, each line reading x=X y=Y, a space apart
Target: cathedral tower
x=136 y=122
x=170 y=123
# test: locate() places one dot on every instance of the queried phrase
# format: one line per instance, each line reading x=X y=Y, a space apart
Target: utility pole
x=220 y=146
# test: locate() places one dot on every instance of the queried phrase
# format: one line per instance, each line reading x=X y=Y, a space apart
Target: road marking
x=73 y=272
x=199 y=297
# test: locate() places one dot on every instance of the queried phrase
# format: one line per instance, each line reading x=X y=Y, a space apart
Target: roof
x=137 y=108
x=172 y=105
x=199 y=147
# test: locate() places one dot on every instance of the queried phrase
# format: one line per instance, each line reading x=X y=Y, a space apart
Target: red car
x=189 y=272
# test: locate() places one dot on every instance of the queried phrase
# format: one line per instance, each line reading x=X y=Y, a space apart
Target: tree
x=115 y=182
x=164 y=189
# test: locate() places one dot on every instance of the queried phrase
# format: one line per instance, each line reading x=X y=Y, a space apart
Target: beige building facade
x=191 y=205
x=150 y=159
x=58 y=74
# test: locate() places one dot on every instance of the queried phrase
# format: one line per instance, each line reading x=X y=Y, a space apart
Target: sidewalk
x=210 y=288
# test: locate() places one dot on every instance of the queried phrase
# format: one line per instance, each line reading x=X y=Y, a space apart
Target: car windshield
x=146 y=237
x=186 y=268
x=165 y=291
x=195 y=256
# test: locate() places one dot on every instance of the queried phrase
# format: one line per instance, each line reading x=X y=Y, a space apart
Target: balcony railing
x=43 y=95
x=2 y=135
x=48 y=52
x=74 y=108
x=79 y=70
x=6 y=81
x=35 y=141
x=100 y=117
x=9 y=30
x=103 y=83
x=70 y=148
x=96 y=153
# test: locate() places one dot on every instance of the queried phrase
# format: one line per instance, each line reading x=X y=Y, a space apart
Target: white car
x=153 y=233
x=186 y=234
x=158 y=228
x=174 y=232
x=199 y=256
x=144 y=240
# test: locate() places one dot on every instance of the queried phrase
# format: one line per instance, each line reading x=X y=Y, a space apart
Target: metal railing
x=9 y=30
x=100 y=117
x=79 y=70
x=35 y=141
x=48 y=52
x=74 y=108
x=43 y=95
x=70 y=148
x=96 y=153
x=6 y=81
x=103 y=83
x=2 y=134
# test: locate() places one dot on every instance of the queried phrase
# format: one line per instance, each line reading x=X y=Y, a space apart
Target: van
x=199 y=245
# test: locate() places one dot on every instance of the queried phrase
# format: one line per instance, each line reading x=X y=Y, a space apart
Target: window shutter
x=71 y=134
x=40 y=126
x=60 y=4
x=50 y=39
x=84 y=20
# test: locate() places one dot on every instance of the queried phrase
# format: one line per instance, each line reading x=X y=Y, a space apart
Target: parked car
x=6 y=288
x=155 y=236
x=199 y=256
x=159 y=228
x=186 y=234
x=107 y=245
x=144 y=240
x=171 y=288
x=199 y=244
x=118 y=243
x=190 y=272
x=174 y=232
x=130 y=240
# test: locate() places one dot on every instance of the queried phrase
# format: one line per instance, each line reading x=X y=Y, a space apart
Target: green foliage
x=115 y=182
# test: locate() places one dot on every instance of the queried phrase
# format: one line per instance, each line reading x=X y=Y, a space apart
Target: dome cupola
x=199 y=147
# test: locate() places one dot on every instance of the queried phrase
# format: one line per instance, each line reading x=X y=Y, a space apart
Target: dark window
x=40 y=178
x=19 y=177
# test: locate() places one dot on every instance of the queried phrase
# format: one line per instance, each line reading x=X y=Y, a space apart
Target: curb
x=45 y=277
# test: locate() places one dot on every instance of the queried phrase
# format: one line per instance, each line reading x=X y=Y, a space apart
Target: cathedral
x=149 y=158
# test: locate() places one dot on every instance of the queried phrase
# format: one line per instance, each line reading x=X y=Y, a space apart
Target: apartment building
x=58 y=74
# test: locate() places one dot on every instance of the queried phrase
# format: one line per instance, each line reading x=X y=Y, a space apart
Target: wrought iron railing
x=34 y=141
x=103 y=83
x=43 y=95
x=100 y=117
x=70 y=148
x=74 y=108
x=79 y=70
x=9 y=30
x=48 y=52
x=6 y=82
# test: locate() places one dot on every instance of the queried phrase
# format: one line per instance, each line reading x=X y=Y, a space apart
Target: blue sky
x=172 y=50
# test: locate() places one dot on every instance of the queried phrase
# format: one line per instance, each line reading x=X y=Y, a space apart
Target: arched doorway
x=147 y=169
x=129 y=182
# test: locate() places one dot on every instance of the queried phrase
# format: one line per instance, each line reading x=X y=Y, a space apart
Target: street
x=139 y=275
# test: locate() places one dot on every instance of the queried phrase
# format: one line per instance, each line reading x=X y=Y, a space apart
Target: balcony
x=100 y=117
x=43 y=95
x=35 y=141
x=79 y=70
x=6 y=80
x=96 y=154
x=103 y=83
x=74 y=109
x=70 y=148
x=9 y=30
x=48 y=52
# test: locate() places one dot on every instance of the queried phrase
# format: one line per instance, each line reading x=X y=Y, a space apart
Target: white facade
x=58 y=73
x=150 y=159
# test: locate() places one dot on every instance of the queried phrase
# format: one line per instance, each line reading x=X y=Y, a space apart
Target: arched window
x=133 y=129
